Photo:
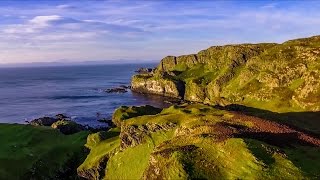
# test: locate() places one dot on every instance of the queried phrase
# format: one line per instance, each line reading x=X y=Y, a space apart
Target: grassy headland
x=199 y=141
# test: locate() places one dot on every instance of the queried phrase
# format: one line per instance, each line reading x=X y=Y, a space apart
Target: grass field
x=29 y=152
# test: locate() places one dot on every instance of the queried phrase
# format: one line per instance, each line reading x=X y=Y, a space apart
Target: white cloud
x=65 y=6
x=31 y=26
x=56 y=27
x=144 y=29
x=44 y=20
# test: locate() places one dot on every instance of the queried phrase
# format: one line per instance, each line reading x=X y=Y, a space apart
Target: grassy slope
x=280 y=82
x=275 y=77
x=193 y=150
x=281 y=78
x=39 y=152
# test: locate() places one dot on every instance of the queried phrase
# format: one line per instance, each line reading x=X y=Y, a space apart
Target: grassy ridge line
x=202 y=142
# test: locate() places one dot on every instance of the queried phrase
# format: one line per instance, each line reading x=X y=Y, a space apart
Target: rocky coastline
x=247 y=111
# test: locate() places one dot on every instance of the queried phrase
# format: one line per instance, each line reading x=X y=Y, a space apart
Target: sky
x=142 y=30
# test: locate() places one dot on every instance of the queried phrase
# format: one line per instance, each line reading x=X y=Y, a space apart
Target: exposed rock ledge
x=157 y=85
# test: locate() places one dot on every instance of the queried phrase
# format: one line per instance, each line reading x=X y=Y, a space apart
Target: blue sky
x=45 y=31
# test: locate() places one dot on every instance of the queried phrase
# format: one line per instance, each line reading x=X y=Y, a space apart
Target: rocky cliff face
x=278 y=77
x=157 y=85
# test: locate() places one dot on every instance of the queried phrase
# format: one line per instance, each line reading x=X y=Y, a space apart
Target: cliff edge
x=277 y=77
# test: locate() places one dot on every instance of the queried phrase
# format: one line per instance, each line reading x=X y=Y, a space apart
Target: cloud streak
x=95 y=30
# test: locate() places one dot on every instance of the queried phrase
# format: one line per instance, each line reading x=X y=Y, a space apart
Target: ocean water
x=77 y=91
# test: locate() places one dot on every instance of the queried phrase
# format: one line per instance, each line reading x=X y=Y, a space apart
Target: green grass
x=29 y=152
x=98 y=156
x=231 y=159
x=125 y=112
x=191 y=150
x=131 y=163
x=274 y=73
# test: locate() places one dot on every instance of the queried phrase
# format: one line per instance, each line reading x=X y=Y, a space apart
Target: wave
x=76 y=97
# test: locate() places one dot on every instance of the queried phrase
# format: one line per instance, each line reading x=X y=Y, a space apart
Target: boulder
x=116 y=90
x=61 y=116
x=44 y=121
x=144 y=70
x=107 y=121
x=125 y=87
x=68 y=126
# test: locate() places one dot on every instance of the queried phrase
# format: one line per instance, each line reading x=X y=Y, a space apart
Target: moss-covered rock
x=194 y=92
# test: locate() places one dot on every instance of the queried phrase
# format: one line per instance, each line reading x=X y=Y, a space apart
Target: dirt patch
x=270 y=132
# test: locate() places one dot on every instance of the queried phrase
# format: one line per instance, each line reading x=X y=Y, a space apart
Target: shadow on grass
x=302 y=154
x=308 y=122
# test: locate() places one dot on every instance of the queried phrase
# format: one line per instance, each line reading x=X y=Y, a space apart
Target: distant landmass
x=72 y=63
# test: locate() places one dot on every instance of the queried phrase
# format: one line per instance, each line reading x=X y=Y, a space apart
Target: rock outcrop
x=61 y=122
x=68 y=126
x=132 y=136
x=43 y=121
x=145 y=70
x=277 y=77
x=157 y=85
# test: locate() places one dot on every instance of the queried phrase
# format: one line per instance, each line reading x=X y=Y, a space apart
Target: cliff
x=159 y=85
x=278 y=77
x=254 y=116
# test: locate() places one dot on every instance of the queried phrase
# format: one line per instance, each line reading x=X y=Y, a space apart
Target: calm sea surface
x=77 y=91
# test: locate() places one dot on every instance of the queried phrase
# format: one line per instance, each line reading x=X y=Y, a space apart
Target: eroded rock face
x=308 y=93
x=159 y=86
x=134 y=135
x=194 y=92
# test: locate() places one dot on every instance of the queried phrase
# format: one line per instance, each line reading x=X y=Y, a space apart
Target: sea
x=27 y=93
